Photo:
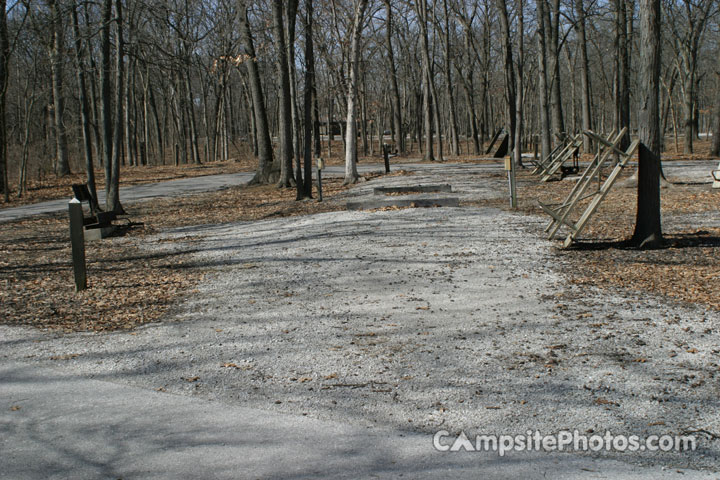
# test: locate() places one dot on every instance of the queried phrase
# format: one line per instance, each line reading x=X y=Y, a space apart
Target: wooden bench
x=98 y=224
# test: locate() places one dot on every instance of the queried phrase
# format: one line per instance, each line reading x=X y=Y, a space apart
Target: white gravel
x=454 y=318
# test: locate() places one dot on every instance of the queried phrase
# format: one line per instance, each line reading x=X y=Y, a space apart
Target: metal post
x=77 y=239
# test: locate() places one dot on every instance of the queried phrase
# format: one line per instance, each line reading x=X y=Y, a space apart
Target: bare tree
x=4 y=77
x=266 y=172
x=85 y=119
x=304 y=182
x=688 y=24
x=430 y=98
x=542 y=88
x=351 y=173
x=510 y=86
x=285 y=110
x=396 y=107
x=584 y=74
x=57 y=47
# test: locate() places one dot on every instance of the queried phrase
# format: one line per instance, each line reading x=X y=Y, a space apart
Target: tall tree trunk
x=113 y=190
x=584 y=75
x=552 y=29
x=715 y=148
x=106 y=100
x=510 y=91
x=57 y=57
x=545 y=134
x=430 y=99
x=351 y=173
x=306 y=191
x=397 y=130
x=648 y=227
x=517 y=150
x=454 y=140
x=84 y=105
x=4 y=77
x=291 y=9
x=192 y=126
x=285 y=107
x=267 y=171
x=622 y=75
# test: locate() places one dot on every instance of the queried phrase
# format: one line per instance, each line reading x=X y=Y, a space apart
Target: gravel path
x=421 y=319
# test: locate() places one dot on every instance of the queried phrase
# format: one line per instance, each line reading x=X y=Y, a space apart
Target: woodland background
x=86 y=85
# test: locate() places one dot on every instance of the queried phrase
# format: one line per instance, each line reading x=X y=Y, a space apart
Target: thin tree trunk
x=715 y=148
x=622 y=92
x=84 y=106
x=4 y=77
x=397 y=130
x=430 y=104
x=552 y=29
x=454 y=140
x=113 y=191
x=545 y=135
x=584 y=75
x=285 y=107
x=291 y=20
x=510 y=90
x=519 y=95
x=306 y=191
x=351 y=173
x=266 y=171
x=106 y=101
x=57 y=58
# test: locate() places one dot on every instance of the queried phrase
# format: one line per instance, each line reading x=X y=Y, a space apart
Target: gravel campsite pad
x=418 y=319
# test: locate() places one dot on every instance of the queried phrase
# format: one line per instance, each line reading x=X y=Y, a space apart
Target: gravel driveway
x=419 y=319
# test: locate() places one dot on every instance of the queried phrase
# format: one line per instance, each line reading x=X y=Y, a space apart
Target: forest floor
x=125 y=292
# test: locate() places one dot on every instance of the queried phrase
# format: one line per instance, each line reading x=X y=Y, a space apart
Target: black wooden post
x=386 y=156
x=77 y=239
x=320 y=165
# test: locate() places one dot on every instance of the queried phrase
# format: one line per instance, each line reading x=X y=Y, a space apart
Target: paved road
x=137 y=193
x=57 y=425
x=185 y=186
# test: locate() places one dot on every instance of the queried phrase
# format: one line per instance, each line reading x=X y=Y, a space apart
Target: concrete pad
x=412 y=202
x=414 y=189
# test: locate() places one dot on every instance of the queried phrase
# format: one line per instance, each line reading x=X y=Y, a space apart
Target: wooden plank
x=566 y=154
x=77 y=241
x=542 y=164
x=577 y=193
x=590 y=211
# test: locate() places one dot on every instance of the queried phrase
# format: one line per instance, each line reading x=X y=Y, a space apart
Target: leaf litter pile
x=686 y=269
x=128 y=286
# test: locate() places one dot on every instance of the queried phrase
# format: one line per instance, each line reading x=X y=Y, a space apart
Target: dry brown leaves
x=129 y=286
x=687 y=270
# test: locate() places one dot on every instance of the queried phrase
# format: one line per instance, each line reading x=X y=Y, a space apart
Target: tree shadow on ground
x=699 y=239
